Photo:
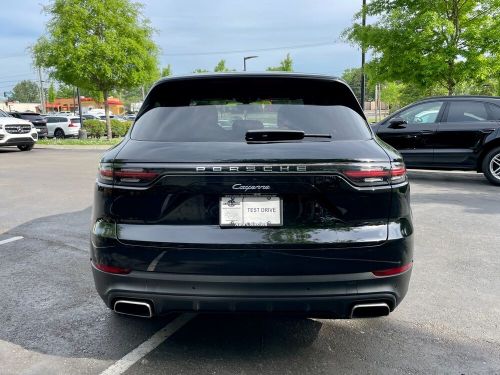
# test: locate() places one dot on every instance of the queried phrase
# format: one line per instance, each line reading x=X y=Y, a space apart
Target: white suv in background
x=63 y=126
x=17 y=132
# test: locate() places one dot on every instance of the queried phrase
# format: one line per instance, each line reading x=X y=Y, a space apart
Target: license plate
x=251 y=211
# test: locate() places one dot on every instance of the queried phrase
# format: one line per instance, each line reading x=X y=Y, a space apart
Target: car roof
x=284 y=75
x=25 y=113
x=210 y=75
x=481 y=98
x=495 y=99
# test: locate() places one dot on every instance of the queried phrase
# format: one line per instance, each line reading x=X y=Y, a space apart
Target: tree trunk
x=451 y=87
x=450 y=81
x=106 y=112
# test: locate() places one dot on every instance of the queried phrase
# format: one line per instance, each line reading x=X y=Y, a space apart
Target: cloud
x=199 y=27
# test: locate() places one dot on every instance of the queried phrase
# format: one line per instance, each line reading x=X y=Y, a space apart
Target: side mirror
x=398 y=123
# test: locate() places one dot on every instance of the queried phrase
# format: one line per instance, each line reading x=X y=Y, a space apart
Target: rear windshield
x=224 y=110
x=229 y=123
x=31 y=117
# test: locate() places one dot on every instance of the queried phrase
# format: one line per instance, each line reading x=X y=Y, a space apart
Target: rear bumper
x=312 y=295
x=42 y=132
x=72 y=132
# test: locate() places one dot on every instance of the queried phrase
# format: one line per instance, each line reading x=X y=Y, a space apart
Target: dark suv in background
x=36 y=119
x=252 y=193
x=454 y=132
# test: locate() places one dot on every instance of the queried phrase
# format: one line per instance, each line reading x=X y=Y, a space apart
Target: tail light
x=377 y=175
x=74 y=124
x=393 y=271
x=112 y=269
x=126 y=175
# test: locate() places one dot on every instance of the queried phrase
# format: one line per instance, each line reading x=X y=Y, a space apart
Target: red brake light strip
x=393 y=271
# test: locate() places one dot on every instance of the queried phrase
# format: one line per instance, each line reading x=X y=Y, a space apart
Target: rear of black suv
x=252 y=193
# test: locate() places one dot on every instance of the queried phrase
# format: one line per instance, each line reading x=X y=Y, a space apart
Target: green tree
x=132 y=95
x=221 y=66
x=353 y=78
x=490 y=87
x=201 y=71
x=391 y=94
x=428 y=43
x=26 y=91
x=99 y=46
x=51 y=93
x=286 y=65
x=166 y=71
x=65 y=91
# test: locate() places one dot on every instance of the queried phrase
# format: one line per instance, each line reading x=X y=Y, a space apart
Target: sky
x=198 y=33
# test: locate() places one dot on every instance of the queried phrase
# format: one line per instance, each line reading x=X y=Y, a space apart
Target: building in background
x=88 y=104
x=9 y=106
x=134 y=107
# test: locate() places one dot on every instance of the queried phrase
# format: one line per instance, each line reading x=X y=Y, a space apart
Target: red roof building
x=71 y=104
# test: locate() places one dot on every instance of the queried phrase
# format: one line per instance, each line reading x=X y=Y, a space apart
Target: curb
x=73 y=147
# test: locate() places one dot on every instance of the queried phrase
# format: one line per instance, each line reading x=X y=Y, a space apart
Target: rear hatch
x=187 y=189
x=182 y=185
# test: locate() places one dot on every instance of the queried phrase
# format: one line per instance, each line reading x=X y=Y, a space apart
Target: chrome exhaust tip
x=133 y=308
x=370 y=310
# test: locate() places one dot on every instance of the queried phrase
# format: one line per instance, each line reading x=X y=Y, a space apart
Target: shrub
x=94 y=128
x=120 y=128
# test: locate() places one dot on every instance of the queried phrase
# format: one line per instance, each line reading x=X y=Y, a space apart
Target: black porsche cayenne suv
x=252 y=193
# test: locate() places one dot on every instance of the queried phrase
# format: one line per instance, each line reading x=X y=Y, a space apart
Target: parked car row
x=23 y=129
x=36 y=119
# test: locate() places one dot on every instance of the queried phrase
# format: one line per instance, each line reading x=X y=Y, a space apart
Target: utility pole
x=79 y=106
x=74 y=101
x=363 y=83
x=378 y=102
x=42 y=96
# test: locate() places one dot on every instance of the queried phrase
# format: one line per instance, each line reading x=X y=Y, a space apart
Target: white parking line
x=11 y=240
x=148 y=346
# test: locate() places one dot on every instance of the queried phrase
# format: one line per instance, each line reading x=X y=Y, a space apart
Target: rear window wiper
x=280 y=135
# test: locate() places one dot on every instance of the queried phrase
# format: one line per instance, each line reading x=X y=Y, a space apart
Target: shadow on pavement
x=446 y=177
x=225 y=344
x=6 y=150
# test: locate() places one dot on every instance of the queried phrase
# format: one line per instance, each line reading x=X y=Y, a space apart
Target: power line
x=16 y=75
x=296 y=46
x=13 y=56
x=18 y=80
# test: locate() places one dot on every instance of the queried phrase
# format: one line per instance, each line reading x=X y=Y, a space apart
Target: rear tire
x=26 y=147
x=491 y=166
x=59 y=133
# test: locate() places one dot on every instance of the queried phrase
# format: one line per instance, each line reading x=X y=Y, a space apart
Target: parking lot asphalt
x=53 y=322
